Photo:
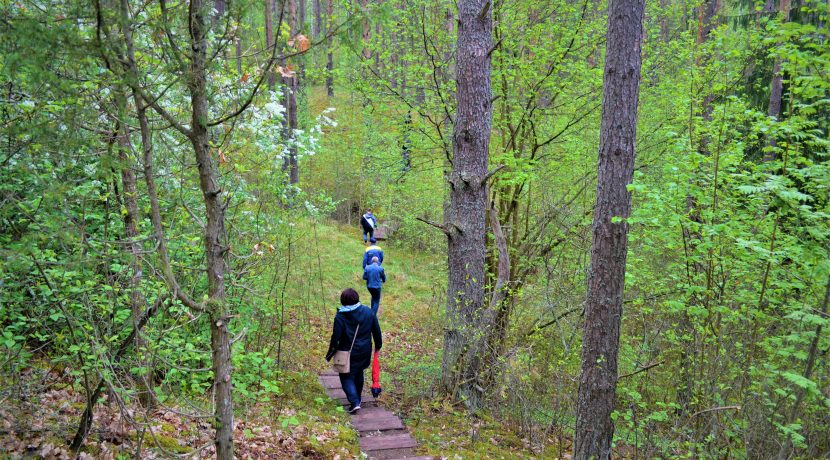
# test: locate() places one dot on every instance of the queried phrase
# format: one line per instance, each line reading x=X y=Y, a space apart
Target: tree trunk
x=317 y=25
x=776 y=90
x=603 y=307
x=292 y=83
x=238 y=42
x=214 y=232
x=329 y=44
x=367 y=31
x=406 y=144
x=464 y=216
x=301 y=13
x=131 y=218
x=665 y=17
x=219 y=7
x=269 y=39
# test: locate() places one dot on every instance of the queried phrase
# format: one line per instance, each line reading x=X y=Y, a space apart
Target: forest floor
x=301 y=421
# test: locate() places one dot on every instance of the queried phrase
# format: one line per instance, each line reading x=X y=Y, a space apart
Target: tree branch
x=441 y=227
x=711 y=409
x=491 y=174
x=642 y=369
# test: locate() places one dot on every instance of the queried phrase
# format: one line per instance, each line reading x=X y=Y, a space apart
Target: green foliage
x=728 y=258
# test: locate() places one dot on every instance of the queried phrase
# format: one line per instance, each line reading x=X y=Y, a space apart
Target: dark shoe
x=353 y=409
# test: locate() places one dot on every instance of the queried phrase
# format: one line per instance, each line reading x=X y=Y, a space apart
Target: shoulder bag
x=342 y=359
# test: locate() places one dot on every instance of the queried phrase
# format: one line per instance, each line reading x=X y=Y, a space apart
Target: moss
x=167 y=443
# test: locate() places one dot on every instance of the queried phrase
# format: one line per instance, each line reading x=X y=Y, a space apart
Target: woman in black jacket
x=350 y=315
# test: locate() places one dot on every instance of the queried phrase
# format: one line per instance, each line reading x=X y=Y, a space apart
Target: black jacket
x=345 y=324
x=367 y=226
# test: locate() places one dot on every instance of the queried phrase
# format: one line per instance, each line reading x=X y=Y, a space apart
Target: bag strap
x=355 y=337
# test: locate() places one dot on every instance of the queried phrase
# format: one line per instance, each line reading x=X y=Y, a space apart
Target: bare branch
x=441 y=227
x=712 y=409
x=491 y=174
x=642 y=369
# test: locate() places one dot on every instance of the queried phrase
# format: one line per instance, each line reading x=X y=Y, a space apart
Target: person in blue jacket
x=375 y=276
x=354 y=322
x=372 y=251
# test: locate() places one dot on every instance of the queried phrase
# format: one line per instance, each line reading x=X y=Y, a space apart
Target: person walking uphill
x=369 y=224
x=372 y=251
x=355 y=327
x=375 y=276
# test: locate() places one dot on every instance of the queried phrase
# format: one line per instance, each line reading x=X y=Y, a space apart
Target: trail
x=382 y=434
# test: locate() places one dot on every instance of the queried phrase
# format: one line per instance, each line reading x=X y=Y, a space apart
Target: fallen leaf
x=286 y=71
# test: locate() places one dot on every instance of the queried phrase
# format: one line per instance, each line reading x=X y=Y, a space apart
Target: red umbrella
x=376 y=376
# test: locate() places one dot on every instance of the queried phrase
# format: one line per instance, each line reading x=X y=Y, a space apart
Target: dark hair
x=373 y=240
x=349 y=297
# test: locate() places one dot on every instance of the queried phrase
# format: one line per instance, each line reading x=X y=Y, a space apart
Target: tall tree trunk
x=603 y=307
x=317 y=25
x=776 y=90
x=367 y=31
x=464 y=216
x=219 y=7
x=665 y=20
x=269 y=39
x=238 y=43
x=329 y=45
x=301 y=13
x=292 y=83
x=214 y=231
x=131 y=219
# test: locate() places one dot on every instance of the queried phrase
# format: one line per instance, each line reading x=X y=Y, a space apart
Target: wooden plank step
x=383 y=424
x=363 y=405
x=329 y=372
x=414 y=458
x=369 y=425
x=373 y=412
x=385 y=442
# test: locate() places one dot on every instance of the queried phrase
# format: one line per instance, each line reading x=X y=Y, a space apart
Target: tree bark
x=776 y=90
x=329 y=44
x=292 y=83
x=367 y=31
x=603 y=307
x=214 y=231
x=269 y=39
x=317 y=25
x=301 y=13
x=238 y=43
x=464 y=216
x=131 y=218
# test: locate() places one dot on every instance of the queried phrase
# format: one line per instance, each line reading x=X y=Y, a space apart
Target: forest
x=606 y=227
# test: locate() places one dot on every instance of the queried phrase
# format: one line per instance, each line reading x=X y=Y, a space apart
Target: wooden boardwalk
x=382 y=433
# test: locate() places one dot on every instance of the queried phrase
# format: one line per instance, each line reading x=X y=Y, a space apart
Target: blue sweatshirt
x=374 y=275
